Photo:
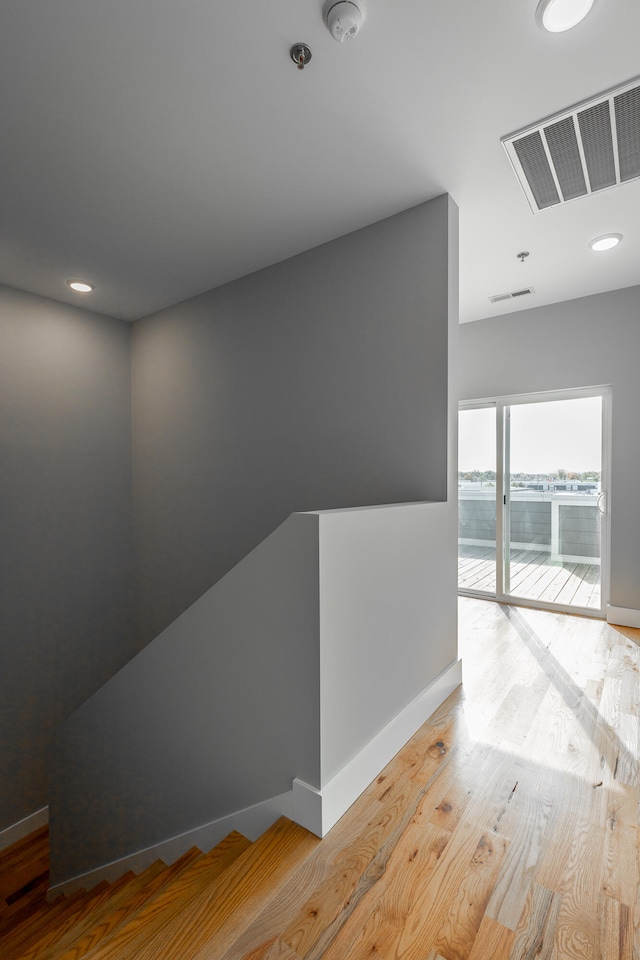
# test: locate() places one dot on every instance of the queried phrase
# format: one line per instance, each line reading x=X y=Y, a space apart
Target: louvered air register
x=589 y=147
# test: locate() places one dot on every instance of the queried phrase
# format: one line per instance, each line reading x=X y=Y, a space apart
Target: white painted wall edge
x=319 y=810
x=251 y=822
x=23 y=827
x=623 y=616
x=373 y=506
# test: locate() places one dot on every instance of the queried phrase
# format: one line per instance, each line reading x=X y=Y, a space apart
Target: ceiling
x=160 y=149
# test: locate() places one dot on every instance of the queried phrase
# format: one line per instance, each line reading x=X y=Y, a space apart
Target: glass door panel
x=552 y=502
x=477 y=491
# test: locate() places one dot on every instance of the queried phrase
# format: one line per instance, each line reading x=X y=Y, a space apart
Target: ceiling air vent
x=513 y=295
x=585 y=148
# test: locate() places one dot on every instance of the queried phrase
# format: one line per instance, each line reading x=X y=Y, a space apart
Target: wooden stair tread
x=21 y=851
x=27 y=912
x=129 y=938
x=41 y=913
x=214 y=918
x=22 y=936
x=23 y=865
x=28 y=890
x=19 y=879
x=115 y=899
x=33 y=948
x=102 y=929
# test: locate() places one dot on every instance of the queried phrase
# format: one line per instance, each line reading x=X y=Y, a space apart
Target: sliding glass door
x=477 y=504
x=532 y=500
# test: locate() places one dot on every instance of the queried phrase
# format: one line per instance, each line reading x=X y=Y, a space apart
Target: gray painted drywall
x=319 y=382
x=585 y=342
x=389 y=578
x=219 y=712
x=65 y=527
x=247 y=406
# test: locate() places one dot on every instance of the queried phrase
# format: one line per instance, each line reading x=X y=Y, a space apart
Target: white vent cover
x=586 y=148
x=524 y=292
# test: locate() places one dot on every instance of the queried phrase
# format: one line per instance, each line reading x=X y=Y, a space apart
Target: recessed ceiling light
x=605 y=242
x=80 y=286
x=559 y=15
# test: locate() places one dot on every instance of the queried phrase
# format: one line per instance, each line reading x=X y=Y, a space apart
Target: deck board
x=534 y=576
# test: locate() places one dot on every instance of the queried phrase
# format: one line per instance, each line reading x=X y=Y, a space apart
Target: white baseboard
x=251 y=822
x=624 y=616
x=319 y=810
x=23 y=827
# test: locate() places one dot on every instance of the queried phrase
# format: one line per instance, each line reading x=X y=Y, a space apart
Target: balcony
x=554 y=545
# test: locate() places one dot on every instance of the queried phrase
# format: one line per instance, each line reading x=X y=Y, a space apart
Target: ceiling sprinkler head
x=522 y=256
x=300 y=54
x=344 y=18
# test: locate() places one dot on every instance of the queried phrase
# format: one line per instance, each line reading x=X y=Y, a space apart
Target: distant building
x=565 y=486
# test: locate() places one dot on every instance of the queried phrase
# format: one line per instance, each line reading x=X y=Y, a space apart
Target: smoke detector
x=344 y=18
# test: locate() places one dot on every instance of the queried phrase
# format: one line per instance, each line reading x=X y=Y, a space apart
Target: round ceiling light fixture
x=556 y=16
x=606 y=242
x=80 y=286
x=344 y=18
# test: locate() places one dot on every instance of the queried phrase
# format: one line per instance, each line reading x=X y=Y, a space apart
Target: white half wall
x=319 y=810
x=387 y=620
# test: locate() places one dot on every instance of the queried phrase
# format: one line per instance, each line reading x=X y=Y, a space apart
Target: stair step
x=213 y=919
x=17 y=928
x=116 y=899
x=21 y=901
x=129 y=938
x=102 y=929
x=20 y=937
x=24 y=850
x=24 y=871
x=27 y=911
x=35 y=946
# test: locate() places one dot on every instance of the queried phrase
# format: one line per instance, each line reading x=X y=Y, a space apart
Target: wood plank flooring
x=534 y=576
x=506 y=829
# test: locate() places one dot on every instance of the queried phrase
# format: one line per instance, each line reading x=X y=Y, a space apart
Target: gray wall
x=247 y=409
x=585 y=342
x=65 y=527
x=319 y=382
x=219 y=712
x=389 y=618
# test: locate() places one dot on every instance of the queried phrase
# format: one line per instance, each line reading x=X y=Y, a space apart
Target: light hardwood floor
x=507 y=829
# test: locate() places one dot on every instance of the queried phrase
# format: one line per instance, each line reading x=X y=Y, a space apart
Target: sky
x=545 y=437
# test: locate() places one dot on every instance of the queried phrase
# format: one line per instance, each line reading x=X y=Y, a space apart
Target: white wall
x=591 y=341
x=387 y=616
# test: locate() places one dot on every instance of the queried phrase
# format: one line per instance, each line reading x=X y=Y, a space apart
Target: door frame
x=502 y=406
